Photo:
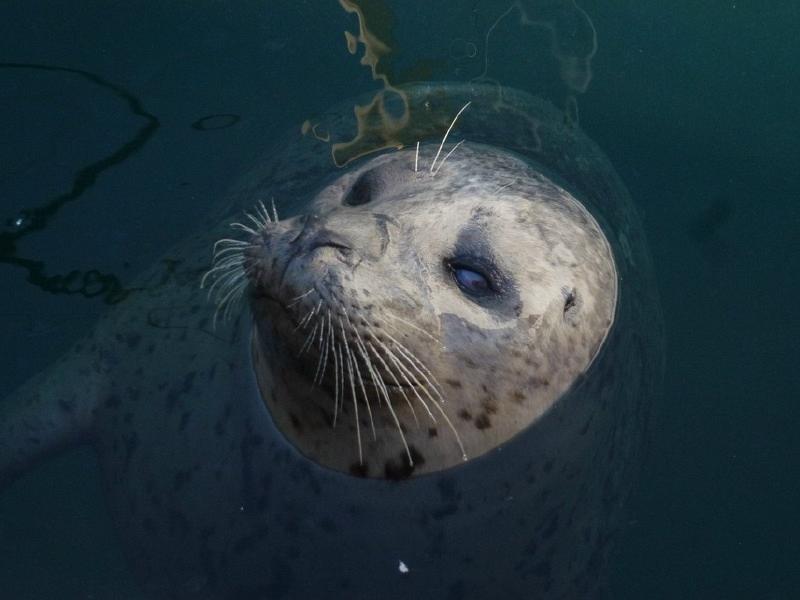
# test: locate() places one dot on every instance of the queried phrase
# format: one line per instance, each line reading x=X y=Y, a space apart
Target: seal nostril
x=361 y=192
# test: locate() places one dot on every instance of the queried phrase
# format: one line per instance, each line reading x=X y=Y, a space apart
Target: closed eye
x=470 y=281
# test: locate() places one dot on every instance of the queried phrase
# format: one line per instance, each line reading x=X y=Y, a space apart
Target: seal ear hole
x=572 y=303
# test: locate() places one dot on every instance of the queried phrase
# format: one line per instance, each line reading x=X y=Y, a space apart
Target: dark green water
x=695 y=103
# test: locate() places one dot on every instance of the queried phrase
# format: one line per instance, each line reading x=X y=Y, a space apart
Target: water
x=696 y=106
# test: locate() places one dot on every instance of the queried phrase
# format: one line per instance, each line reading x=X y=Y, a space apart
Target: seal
x=404 y=291
x=431 y=377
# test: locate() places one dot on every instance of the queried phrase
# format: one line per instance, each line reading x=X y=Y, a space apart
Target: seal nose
x=351 y=236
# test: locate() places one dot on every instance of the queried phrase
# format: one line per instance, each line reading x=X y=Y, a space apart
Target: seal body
x=213 y=501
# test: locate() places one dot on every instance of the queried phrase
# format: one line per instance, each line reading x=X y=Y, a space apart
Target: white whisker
x=355 y=399
x=453 y=149
x=297 y=299
x=394 y=377
x=336 y=380
x=444 y=139
x=360 y=379
x=403 y=371
x=244 y=228
x=378 y=382
x=274 y=210
x=262 y=212
x=309 y=339
x=419 y=329
x=416 y=158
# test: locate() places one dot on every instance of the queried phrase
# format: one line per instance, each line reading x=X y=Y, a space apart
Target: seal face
x=413 y=319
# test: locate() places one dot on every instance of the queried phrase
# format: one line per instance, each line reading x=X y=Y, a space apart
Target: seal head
x=416 y=318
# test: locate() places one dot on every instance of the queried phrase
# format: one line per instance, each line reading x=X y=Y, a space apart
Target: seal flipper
x=52 y=411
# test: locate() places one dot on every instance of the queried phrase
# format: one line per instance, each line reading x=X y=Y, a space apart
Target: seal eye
x=470 y=281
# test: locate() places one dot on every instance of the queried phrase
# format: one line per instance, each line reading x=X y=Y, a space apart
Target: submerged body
x=224 y=471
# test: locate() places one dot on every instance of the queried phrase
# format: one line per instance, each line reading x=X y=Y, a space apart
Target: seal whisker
x=230 y=251
x=367 y=362
x=417 y=364
x=229 y=241
x=274 y=210
x=259 y=223
x=243 y=227
x=439 y=408
x=222 y=274
x=416 y=157
x=378 y=381
x=405 y=373
x=394 y=377
x=396 y=382
x=502 y=187
x=355 y=398
x=262 y=211
x=304 y=321
x=323 y=364
x=222 y=282
x=309 y=339
x=419 y=329
x=296 y=299
x=235 y=297
x=446 y=156
x=446 y=133
x=227 y=302
x=358 y=376
x=336 y=379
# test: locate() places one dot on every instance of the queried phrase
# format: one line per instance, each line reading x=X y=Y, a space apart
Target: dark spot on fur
x=150 y=348
x=359 y=470
x=538 y=382
x=453 y=383
x=133 y=339
x=517 y=397
x=489 y=405
x=433 y=432
x=401 y=468
x=548 y=466
x=465 y=414
x=296 y=423
x=66 y=406
x=482 y=421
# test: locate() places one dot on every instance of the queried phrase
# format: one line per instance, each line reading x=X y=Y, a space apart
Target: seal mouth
x=313 y=325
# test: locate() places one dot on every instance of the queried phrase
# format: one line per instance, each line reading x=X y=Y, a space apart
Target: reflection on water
x=89 y=283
